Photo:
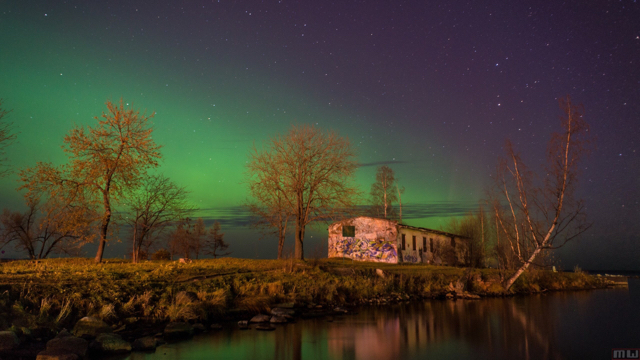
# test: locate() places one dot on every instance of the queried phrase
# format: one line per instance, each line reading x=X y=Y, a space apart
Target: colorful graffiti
x=364 y=250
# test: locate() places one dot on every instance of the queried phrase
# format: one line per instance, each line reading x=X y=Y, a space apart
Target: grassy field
x=55 y=293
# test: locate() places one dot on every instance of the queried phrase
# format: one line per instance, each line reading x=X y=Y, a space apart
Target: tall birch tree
x=536 y=213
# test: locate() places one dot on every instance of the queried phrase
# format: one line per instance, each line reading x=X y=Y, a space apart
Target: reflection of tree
x=494 y=328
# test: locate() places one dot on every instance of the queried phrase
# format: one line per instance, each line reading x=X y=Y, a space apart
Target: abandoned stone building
x=372 y=239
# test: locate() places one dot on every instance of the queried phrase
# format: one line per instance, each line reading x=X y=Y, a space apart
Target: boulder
x=63 y=333
x=89 y=327
x=69 y=344
x=283 y=312
x=8 y=340
x=260 y=318
x=57 y=354
x=177 y=331
x=145 y=344
x=110 y=344
x=277 y=319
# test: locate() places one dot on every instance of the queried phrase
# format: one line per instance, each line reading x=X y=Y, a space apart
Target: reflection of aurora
x=360 y=249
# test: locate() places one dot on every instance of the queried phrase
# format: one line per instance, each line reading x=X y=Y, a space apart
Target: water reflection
x=556 y=326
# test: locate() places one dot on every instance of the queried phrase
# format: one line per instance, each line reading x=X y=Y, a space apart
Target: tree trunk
x=299 y=251
x=134 y=255
x=281 y=236
x=103 y=233
x=105 y=223
x=522 y=268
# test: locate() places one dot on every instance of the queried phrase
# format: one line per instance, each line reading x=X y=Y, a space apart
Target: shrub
x=161 y=254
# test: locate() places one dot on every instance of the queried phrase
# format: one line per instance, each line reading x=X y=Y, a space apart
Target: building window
x=414 y=242
x=431 y=244
x=424 y=243
x=403 y=242
x=453 y=242
x=348 y=231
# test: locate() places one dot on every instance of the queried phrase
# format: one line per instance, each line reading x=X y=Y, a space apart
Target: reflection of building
x=372 y=239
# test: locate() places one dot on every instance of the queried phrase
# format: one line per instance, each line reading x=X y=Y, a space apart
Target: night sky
x=430 y=89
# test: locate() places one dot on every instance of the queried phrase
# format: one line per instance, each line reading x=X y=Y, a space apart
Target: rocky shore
x=63 y=311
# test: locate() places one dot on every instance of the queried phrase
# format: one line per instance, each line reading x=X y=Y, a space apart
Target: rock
x=468 y=296
x=56 y=354
x=89 y=327
x=110 y=344
x=340 y=310
x=260 y=318
x=69 y=344
x=198 y=328
x=277 y=319
x=265 y=327
x=178 y=330
x=63 y=333
x=380 y=273
x=283 y=312
x=145 y=344
x=8 y=340
x=216 y=327
x=243 y=324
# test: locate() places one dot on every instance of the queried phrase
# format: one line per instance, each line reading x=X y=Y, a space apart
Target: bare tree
x=269 y=204
x=46 y=228
x=383 y=194
x=6 y=138
x=187 y=238
x=536 y=215
x=106 y=162
x=312 y=171
x=214 y=243
x=155 y=205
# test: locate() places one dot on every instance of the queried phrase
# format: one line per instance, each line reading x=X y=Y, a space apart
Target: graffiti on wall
x=364 y=250
x=374 y=240
x=409 y=258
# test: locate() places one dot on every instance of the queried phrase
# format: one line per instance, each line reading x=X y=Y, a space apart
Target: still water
x=567 y=325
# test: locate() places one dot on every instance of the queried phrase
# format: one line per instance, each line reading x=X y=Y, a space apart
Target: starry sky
x=431 y=89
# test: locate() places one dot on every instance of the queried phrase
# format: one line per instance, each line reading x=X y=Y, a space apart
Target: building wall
x=441 y=252
x=374 y=240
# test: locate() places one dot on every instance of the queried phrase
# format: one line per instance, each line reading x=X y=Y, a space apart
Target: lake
x=563 y=325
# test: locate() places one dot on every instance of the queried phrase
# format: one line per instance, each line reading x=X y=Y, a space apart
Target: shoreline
x=38 y=300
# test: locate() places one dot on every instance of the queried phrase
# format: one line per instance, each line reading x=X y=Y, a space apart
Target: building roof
x=407 y=226
x=432 y=231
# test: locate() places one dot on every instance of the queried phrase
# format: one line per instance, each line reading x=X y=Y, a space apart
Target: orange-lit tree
x=46 y=228
x=307 y=173
x=106 y=161
x=536 y=214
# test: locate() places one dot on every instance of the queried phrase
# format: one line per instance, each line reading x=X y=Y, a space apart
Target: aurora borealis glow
x=430 y=89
